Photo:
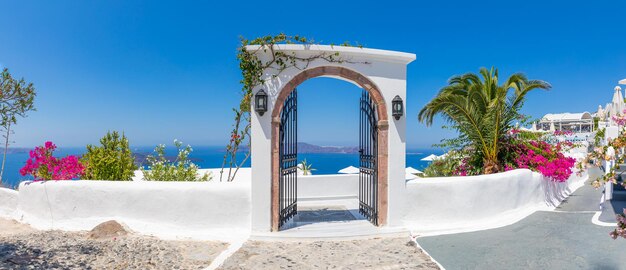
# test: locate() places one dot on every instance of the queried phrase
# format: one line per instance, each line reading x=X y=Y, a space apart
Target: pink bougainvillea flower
x=42 y=165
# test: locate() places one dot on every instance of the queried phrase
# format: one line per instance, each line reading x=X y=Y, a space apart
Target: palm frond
x=481 y=109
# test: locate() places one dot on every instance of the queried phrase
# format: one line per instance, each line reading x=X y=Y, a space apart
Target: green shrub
x=442 y=167
x=599 y=136
x=113 y=160
x=181 y=169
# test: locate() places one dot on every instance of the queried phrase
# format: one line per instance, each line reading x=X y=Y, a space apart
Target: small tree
x=16 y=99
x=113 y=160
x=160 y=168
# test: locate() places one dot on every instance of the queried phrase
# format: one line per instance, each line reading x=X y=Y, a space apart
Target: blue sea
x=212 y=157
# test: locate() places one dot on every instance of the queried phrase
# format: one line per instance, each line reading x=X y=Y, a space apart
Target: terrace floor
x=564 y=238
x=329 y=220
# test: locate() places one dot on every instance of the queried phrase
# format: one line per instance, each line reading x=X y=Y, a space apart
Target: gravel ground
x=22 y=247
x=379 y=253
x=30 y=249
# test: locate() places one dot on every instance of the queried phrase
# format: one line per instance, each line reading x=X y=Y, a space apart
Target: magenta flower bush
x=563 y=132
x=541 y=157
x=519 y=152
x=42 y=165
x=620 y=119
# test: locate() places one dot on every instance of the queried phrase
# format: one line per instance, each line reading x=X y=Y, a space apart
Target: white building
x=616 y=107
x=575 y=122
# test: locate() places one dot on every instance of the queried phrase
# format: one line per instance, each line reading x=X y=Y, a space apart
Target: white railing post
x=610 y=133
x=608 y=186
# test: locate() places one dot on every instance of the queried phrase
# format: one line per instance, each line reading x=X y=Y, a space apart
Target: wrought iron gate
x=368 y=159
x=288 y=156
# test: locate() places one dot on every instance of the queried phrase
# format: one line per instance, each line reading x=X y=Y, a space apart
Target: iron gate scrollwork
x=368 y=159
x=288 y=156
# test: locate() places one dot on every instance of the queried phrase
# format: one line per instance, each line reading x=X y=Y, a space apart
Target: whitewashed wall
x=456 y=204
x=8 y=202
x=222 y=211
x=199 y=210
x=328 y=187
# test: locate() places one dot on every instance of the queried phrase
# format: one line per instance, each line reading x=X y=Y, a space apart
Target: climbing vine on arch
x=252 y=70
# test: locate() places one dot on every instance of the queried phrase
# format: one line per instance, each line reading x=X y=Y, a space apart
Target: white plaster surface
x=611 y=132
x=328 y=187
x=8 y=202
x=222 y=210
x=457 y=204
x=200 y=210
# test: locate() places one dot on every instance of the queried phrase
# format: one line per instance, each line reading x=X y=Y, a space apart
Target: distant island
x=307 y=148
x=303 y=148
x=15 y=150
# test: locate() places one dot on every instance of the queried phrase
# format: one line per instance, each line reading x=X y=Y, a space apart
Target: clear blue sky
x=165 y=70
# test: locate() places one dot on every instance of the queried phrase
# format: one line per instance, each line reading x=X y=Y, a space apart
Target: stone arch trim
x=342 y=72
x=383 y=129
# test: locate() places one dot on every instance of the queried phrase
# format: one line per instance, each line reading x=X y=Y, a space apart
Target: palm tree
x=481 y=110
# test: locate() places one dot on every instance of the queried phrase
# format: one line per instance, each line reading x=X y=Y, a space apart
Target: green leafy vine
x=252 y=70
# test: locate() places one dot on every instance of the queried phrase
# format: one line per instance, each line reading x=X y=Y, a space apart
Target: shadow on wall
x=456 y=204
x=555 y=192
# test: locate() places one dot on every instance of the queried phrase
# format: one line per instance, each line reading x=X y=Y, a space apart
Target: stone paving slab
x=323 y=214
x=381 y=253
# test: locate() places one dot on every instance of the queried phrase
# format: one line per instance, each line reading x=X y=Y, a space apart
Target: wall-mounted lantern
x=260 y=102
x=397 y=107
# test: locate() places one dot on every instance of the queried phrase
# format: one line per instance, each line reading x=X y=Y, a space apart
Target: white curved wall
x=328 y=187
x=222 y=210
x=8 y=202
x=456 y=204
x=200 y=210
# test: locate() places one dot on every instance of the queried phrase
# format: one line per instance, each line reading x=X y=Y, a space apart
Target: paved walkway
x=563 y=239
x=329 y=220
x=611 y=208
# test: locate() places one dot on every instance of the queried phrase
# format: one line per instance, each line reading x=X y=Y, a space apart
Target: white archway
x=381 y=73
